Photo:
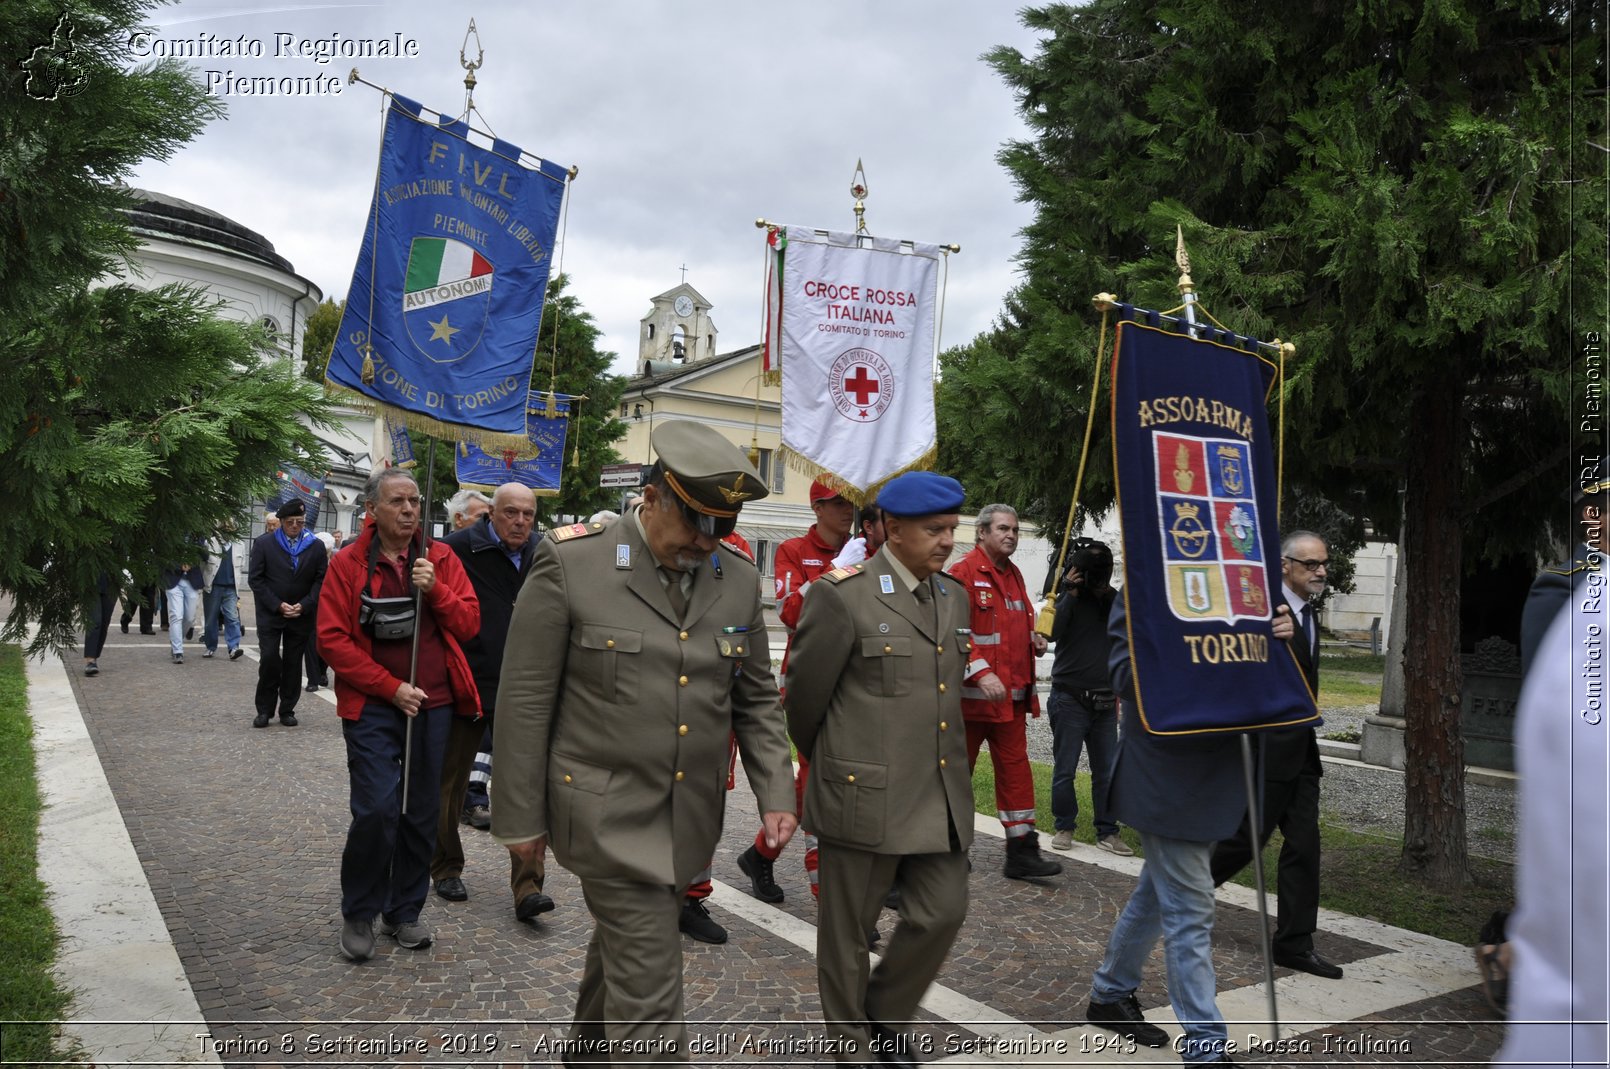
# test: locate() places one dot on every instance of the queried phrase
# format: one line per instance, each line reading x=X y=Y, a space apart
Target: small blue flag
x=541 y=465
x=1196 y=494
x=441 y=321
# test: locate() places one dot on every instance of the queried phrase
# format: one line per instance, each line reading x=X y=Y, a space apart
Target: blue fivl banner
x=441 y=322
x=1196 y=494
x=401 y=446
x=540 y=465
x=292 y=482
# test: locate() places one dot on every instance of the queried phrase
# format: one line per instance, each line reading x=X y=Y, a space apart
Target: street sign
x=620 y=476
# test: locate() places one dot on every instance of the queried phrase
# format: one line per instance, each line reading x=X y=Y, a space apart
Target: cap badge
x=737 y=493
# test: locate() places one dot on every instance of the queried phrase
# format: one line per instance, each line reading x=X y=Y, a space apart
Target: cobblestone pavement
x=240 y=832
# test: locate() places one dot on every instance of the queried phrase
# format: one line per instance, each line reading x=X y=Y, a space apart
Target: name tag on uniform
x=623 y=555
x=886 y=583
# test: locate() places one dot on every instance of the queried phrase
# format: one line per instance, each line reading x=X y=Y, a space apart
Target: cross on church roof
x=684 y=270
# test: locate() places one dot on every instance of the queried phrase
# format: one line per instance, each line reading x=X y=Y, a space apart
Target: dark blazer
x=1290 y=752
x=273 y=581
x=497 y=583
x=1185 y=787
x=1550 y=590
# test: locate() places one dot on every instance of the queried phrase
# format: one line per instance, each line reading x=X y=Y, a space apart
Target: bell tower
x=676 y=331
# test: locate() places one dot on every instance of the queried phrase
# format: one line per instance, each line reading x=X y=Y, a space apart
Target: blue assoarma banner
x=1196 y=494
x=541 y=465
x=441 y=321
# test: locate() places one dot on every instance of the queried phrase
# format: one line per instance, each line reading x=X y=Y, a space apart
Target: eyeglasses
x=1311 y=565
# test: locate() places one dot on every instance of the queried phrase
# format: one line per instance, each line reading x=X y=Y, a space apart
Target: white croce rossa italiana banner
x=857 y=356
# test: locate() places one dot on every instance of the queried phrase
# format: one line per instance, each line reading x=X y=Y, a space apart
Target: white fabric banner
x=858 y=355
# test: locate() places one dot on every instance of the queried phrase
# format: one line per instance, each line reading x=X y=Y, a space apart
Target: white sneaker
x=1114 y=845
x=1062 y=840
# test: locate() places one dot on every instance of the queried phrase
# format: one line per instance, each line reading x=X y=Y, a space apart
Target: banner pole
x=1255 y=827
x=419 y=607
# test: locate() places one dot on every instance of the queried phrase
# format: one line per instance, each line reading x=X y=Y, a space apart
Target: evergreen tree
x=131 y=422
x=1411 y=192
x=319 y=339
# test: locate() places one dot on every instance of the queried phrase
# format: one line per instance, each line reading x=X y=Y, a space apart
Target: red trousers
x=1014 y=782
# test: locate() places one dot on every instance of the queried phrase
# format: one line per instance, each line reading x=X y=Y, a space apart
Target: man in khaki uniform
x=634 y=650
x=874 y=700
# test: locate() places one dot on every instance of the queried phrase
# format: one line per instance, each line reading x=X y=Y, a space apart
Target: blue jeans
x=1072 y=726
x=225 y=600
x=1173 y=899
x=385 y=867
x=182 y=599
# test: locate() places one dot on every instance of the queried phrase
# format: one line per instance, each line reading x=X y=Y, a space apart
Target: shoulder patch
x=574 y=530
x=838 y=575
x=737 y=551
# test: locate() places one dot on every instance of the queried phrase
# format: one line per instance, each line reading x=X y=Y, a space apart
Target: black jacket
x=273 y=581
x=497 y=583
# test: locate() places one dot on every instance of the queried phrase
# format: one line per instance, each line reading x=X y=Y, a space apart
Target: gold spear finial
x=858 y=191
x=470 y=67
x=1183 y=260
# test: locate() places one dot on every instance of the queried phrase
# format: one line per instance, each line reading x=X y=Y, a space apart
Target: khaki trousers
x=629 y=1006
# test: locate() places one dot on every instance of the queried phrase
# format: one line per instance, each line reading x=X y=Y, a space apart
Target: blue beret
x=920 y=493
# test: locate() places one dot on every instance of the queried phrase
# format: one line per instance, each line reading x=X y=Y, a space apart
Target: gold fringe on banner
x=490 y=441
x=487 y=488
x=854 y=494
x=774 y=377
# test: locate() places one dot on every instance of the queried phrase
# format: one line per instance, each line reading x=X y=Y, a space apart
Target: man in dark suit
x=874 y=700
x=1291 y=771
x=636 y=650
x=1182 y=794
x=496 y=551
x=286 y=571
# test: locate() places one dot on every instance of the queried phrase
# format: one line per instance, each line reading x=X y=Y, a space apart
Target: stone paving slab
x=239 y=833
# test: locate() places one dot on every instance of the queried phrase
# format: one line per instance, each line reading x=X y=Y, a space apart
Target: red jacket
x=798 y=562
x=1003 y=636
x=345 y=647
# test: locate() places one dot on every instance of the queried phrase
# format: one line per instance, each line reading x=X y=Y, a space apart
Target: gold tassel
x=368 y=372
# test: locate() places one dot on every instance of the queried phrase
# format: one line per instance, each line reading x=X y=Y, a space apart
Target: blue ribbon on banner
x=540 y=466
x=446 y=301
x=402 y=446
x=293 y=482
x=1196 y=493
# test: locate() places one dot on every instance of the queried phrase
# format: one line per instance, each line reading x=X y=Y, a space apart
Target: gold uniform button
x=942 y=763
x=682 y=729
x=682 y=681
x=740 y=649
x=941 y=688
x=609 y=644
x=683 y=636
x=888 y=649
x=679 y=776
x=943 y=726
x=940 y=649
x=567 y=778
x=851 y=777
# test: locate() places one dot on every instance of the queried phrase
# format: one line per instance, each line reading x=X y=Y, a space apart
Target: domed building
x=187 y=243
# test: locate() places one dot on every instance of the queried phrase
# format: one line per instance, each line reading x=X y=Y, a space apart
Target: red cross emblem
x=862 y=385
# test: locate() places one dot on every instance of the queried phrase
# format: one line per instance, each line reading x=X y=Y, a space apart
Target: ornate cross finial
x=858 y=191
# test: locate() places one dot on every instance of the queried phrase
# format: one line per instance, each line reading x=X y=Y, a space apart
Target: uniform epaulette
x=838 y=575
x=729 y=547
x=574 y=530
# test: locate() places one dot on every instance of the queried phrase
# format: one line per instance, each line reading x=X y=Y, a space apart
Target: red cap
x=820 y=491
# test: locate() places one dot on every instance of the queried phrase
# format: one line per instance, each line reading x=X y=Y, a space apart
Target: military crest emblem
x=1208 y=515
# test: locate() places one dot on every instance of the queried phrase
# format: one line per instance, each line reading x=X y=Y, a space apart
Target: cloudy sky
x=687 y=121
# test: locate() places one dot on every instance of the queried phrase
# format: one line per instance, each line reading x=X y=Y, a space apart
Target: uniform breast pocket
x=731 y=649
x=606 y=660
x=888 y=661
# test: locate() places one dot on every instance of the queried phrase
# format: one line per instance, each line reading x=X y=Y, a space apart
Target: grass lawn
x=28 y=992
x=1359 y=875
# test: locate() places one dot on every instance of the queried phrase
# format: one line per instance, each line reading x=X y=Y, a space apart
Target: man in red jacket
x=798 y=563
x=366 y=632
x=998 y=689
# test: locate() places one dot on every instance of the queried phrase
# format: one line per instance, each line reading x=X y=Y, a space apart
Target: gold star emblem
x=737 y=493
x=442 y=331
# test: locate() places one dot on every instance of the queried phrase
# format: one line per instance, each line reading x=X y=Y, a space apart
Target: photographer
x=1082 y=705
x=367 y=620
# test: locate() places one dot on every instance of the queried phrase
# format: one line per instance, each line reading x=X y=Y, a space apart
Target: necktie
x=1308 y=629
x=925 y=596
x=673 y=590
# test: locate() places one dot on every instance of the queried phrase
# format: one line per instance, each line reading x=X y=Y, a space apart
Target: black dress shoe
x=531 y=906
x=452 y=888
x=148 y=631
x=891 y=1047
x=311 y=687
x=697 y=922
x=1309 y=962
x=261 y=721
x=288 y=719
x=124 y=624
x=1125 y=1018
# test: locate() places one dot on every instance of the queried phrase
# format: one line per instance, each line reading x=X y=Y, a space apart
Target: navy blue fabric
x=1196 y=489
